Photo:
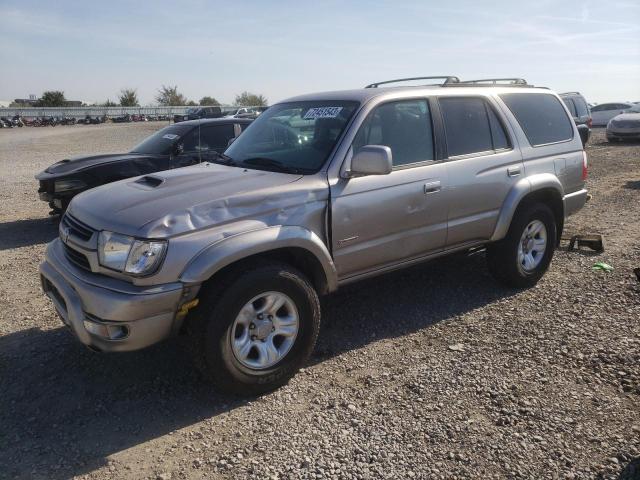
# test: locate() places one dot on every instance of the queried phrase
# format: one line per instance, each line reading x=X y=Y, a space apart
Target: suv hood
x=168 y=203
x=74 y=164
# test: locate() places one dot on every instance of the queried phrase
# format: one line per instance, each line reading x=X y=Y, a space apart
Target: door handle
x=432 y=187
x=513 y=171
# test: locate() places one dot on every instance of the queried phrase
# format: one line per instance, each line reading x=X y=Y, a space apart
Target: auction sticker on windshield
x=170 y=136
x=322 y=112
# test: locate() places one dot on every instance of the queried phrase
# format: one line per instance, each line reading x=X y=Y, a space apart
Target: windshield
x=293 y=137
x=191 y=111
x=162 y=142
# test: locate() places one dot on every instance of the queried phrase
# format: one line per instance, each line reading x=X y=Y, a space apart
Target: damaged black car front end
x=174 y=146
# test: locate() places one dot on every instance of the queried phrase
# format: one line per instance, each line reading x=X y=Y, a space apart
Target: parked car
x=579 y=110
x=196 y=113
x=625 y=126
x=322 y=190
x=172 y=147
x=602 y=113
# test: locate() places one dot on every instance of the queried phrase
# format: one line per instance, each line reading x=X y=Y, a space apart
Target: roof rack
x=448 y=79
x=495 y=81
x=570 y=93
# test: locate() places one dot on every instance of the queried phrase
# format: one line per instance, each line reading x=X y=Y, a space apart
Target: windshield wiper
x=271 y=163
x=224 y=159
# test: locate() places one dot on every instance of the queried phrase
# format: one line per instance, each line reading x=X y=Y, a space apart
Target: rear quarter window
x=541 y=117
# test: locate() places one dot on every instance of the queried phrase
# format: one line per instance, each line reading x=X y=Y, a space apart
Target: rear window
x=541 y=117
x=471 y=126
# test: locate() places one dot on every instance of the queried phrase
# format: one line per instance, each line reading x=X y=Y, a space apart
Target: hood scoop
x=149 y=181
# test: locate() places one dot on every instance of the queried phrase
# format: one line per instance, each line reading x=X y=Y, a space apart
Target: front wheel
x=255 y=328
x=523 y=256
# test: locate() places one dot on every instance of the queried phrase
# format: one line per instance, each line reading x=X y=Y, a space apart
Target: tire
x=217 y=328
x=520 y=265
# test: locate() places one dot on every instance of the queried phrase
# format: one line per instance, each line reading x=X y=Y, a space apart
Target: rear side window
x=570 y=105
x=581 y=107
x=541 y=117
x=471 y=126
x=403 y=126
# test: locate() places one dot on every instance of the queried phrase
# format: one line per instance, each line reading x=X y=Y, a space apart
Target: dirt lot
x=434 y=372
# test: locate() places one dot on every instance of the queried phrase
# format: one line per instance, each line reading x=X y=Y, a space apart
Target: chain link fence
x=82 y=112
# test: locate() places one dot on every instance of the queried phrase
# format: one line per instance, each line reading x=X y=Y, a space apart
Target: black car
x=196 y=113
x=579 y=109
x=181 y=145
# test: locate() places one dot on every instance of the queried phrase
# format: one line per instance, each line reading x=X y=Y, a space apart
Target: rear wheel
x=523 y=256
x=254 y=329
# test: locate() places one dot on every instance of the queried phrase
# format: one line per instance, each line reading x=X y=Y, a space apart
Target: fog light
x=110 y=332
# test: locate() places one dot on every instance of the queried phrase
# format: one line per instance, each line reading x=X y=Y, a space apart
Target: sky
x=91 y=50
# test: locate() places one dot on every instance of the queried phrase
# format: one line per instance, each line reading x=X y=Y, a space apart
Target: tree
x=52 y=98
x=170 y=96
x=208 y=101
x=128 y=98
x=246 y=99
x=109 y=103
x=191 y=103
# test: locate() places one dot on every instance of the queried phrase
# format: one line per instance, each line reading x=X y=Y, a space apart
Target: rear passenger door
x=382 y=220
x=482 y=167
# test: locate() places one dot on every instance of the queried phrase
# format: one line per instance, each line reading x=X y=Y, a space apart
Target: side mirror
x=371 y=160
x=583 y=130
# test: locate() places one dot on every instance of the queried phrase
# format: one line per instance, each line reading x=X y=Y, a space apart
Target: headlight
x=145 y=257
x=66 y=185
x=126 y=254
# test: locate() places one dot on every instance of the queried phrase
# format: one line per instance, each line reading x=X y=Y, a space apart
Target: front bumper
x=616 y=132
x=126 y=316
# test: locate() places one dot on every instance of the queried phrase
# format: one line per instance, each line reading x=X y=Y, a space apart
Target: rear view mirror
x=231 y=140
x=371 y=160
x=583 y=130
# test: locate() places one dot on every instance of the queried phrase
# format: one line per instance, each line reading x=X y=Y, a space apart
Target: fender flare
x=520 y=190
x=218 y=255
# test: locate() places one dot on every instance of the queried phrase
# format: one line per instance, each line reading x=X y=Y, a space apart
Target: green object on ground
x=602 y=266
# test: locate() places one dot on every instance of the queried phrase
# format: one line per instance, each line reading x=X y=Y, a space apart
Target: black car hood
x=75 y=164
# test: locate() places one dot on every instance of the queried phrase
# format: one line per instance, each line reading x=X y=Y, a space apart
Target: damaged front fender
x=238 y=247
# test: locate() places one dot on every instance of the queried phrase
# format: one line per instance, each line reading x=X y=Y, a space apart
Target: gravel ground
x=433 y=372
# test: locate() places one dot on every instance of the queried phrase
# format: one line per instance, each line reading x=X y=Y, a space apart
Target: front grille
x=45 y=187
x=76 y=257
x=77 y=228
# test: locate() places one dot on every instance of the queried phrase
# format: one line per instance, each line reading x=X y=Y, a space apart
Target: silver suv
x=320 y=191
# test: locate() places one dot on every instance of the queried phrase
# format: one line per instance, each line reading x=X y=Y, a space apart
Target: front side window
x=295 y=137
x=604 y=107
x=403 y=126
x=541 y=117
x=215 y=137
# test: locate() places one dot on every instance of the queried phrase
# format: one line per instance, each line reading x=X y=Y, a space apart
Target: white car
x=601 y=114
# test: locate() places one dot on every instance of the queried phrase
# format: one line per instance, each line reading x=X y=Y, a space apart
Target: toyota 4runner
x=321 y=190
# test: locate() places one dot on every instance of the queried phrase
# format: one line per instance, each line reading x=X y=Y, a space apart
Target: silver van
x=320 y=191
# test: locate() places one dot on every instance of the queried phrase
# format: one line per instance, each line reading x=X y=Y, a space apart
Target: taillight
x=589 y=122
x=584 y=166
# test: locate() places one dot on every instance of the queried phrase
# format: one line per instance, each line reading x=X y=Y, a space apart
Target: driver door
x=382 y=220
